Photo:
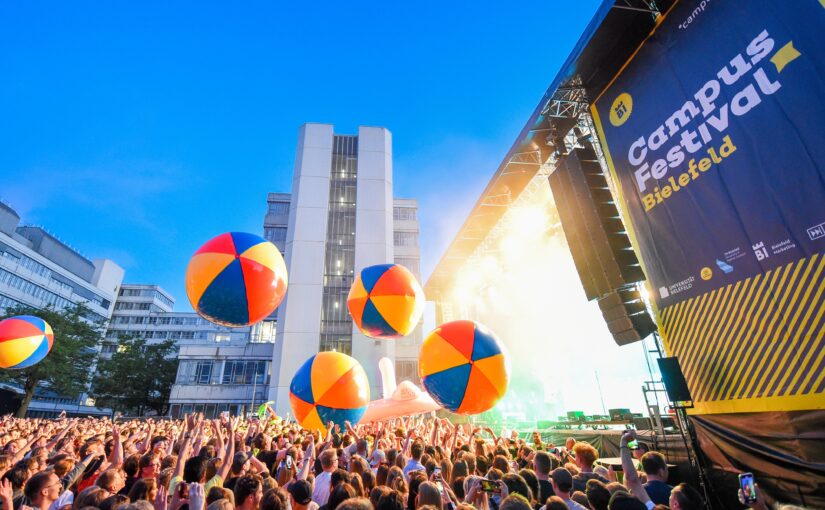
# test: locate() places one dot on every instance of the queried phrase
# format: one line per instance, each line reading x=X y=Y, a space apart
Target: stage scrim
x=714 y=132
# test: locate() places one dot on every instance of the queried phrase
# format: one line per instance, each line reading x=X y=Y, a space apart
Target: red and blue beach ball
x=24 y=341
x=236 y=279
x=463 y=366
x=329 y=387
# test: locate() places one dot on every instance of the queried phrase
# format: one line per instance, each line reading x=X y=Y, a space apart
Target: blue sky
x=136 y=131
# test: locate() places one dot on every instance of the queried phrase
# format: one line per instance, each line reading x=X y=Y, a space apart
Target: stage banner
x=714 y=133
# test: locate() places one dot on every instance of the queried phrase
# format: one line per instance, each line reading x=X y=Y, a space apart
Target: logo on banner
x=706 y=273
x=620 y=111
x=724 y=266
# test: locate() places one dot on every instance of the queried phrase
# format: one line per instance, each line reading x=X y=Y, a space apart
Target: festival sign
x=715 y=136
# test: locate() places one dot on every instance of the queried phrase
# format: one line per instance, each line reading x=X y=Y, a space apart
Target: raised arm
x=631 y=477
x=54 y=442
x=229 y=452
x=309 y=458
x=116 y=457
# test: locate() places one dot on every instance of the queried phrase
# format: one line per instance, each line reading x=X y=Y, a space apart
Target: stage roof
x=617 y=29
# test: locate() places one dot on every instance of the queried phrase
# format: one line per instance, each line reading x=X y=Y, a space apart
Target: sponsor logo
x=817 y=231
x=621 y=109
x=663 y=293
x=724 y=266
x=760 y=251
x=706 y=273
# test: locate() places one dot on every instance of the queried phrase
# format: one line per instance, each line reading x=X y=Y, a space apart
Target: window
x=412 y=264
x=278 y=208
x=405 y=238
x=203 y=370
x=406 y=371
x=403 y=213
x=275 y=235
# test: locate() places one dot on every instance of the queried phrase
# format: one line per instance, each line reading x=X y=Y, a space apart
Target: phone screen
x=748 y=488
x=488 y=485
x=633 y=445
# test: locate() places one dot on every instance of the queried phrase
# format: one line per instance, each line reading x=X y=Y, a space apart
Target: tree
x=137 y=377
x=66 y=368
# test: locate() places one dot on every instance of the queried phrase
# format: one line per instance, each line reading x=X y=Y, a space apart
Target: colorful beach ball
x=463 y=367
x=386 y=301
x=329 y=386
x=24 y=341
x=236 y=279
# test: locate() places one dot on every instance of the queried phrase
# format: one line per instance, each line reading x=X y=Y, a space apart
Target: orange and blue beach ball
x=386 y=301
x=329 y=387
x=463 y=366
x=236 y=279
x=24 y=341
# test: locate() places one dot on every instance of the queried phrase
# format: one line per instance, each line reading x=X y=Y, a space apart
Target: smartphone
x=489 y=485
x=437 y=473
x=748 y=488
x=633 y=445
x=183 y=490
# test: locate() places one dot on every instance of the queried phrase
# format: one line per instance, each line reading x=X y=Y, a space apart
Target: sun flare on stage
x=521 y=282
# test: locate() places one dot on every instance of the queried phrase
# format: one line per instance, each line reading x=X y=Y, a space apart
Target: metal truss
x=643 y=6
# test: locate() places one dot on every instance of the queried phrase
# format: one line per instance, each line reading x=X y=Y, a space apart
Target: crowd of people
x=416 y=463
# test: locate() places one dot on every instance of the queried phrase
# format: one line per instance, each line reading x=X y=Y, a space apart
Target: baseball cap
x=239 y=460
x=377 y=458
x=301 y=491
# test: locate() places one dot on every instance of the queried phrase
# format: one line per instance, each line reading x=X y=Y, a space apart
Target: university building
x=37 y=269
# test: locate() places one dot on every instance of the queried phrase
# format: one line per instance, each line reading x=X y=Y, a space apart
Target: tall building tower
x=408 y=254
x=340 y=221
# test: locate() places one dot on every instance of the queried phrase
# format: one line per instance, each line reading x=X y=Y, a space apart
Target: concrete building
x=340 y=221
x=38 y=270
x=219 y=369
x=407 y=253
x=276 y=220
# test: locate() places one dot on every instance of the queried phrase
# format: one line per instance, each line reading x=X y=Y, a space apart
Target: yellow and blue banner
x=715 y=135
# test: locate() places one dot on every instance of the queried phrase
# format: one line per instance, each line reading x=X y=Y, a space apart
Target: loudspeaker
x=594 y=230
x=626 y=315
x=642 y=423
x=675 y=383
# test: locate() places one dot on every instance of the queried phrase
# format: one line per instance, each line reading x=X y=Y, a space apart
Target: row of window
x=280 y=208
x=56 y=279
x=210 y=411
x=163 y=335
x=163 y=321
x=138 y=306
x=36 y=291
x=150 y=293
x=404 y=213
x=203 y=372
x=405 y=238
x=412 y=264
x=275 y=235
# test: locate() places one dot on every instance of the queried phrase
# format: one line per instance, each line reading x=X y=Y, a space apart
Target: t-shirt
x=413 y=465
x=545 y=491
x=580 y=480
x=572 y=505
x=659 y=492
x=320 y=494
x=215 y=481
x=268 y=457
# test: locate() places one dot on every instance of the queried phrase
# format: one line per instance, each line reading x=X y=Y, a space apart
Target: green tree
x=138 y=377
x=66 y=368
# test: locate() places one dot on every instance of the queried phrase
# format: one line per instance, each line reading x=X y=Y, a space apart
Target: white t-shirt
x=320 y=494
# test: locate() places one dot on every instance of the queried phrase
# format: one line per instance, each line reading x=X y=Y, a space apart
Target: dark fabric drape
x=784 y=450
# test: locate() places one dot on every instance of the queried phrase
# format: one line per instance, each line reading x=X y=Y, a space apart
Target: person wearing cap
x=562 y=482
x=240 y=467
x=377 y=457
x=300 y=495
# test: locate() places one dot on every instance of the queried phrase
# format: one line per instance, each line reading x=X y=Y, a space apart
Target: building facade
x=407 y=253
x=39 y=270
x=340 y=221
x=219 y=368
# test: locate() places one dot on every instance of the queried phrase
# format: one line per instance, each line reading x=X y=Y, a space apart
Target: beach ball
x=236 y=279
x=463 y=367
x=386 y=301
x=24 y=341
x=329 y=386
